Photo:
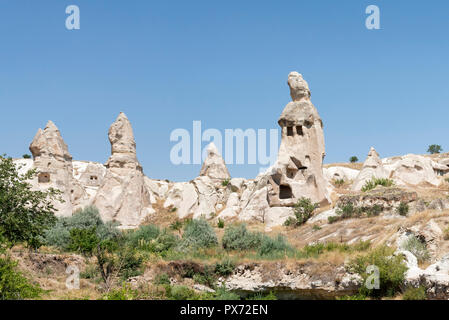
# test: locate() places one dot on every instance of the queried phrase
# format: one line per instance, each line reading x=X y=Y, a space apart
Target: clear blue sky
x=168 y=63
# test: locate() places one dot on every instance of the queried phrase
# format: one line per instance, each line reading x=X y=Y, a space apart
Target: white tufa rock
x=214 y=166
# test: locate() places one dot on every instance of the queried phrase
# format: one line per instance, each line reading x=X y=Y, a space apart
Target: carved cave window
x=290 y=131
x=285 y=192
x=299 y=131
x=43 y=177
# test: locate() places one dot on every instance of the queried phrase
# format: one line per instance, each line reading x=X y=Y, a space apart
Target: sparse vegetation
x=339 y=182
x=225 y=182
x=417 y=247
x=237 y=237
x=391 y=271
x=220 y=223
x=199 y=234
x=374 y=182
x=303 y=211
x=412 y=293
x=403 y=209
x=446 y=234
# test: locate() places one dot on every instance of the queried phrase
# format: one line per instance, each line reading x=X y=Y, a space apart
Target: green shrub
x=143 y=234
x=176 y=226
x=220 y=223
x=417 y=247
x=162 y=279
x=225 y=182
x=392 y=271
x=332 y=219
x=223 y=294
x=262 y=296
x=339 y=182
x=316 y=227
x=225 y=267
x=274 y=246
x=353 y=159
x=181 y=293
x=348 y=211
x=304 y=209
x=130 y=263
x=123 y=293
x=237 y=237
x=373 y=211
x=26 y=156
x=199 y=234
x=415 y=294
x=89 y=217
x=374 y=182
x=13 y=284
x=403 y=209
x=83 y=241
x=91 y=272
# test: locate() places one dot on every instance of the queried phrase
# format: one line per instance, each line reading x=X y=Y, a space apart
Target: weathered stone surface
x=337 y=173
x=214 y=166
x=54 y=166
x=387 y=198
x=372 y=168
x=298 y=282
x=298 y=170
x=414 y=170
x=183 y=197
x=123 y=195
x=434 y=278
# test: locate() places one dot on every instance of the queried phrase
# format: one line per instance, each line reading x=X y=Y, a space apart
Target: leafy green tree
x=25 y=214
x=353 y=159
x=434 y=148
x=26 y=156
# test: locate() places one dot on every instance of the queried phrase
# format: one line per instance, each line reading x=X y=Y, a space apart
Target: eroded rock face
x=372 y=168
x=435 y=278
x=123 y=195
x=298 y=171
x=298 y=282
x=54 y=166
x=415 y=170
x=214 y=166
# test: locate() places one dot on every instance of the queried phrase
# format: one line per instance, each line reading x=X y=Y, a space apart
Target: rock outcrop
x=299 y=282
x=54 y=168
x=214 y=166
x=123 y=196
x=298 y=171
x=372 y=168
x=415 y=170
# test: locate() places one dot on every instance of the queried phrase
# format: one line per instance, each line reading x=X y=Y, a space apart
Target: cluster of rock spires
x=124 y=194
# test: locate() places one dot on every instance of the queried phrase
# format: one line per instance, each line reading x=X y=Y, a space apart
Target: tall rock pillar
x=123 y=196
x=298 y=171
